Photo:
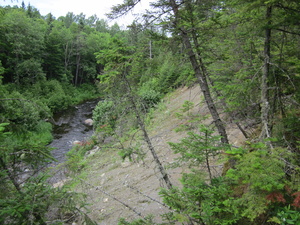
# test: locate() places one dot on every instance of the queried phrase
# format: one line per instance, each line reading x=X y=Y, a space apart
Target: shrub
x=39 y=202
x=52 y=94
x=104 y=114
x=22 y=114
x=149 y=98
x=81 y=93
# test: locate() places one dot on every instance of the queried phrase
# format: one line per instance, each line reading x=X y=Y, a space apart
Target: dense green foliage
x=36 y=81
x=245 y=54
x=49 y=64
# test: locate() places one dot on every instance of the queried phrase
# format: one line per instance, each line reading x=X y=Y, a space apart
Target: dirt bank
x=113 y=186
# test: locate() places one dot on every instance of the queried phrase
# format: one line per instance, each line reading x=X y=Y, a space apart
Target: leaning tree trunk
x=222 y=99
x=200 y=72
x=161 y=169
x=199 y=69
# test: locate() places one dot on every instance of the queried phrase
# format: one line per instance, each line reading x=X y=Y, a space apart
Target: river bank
x=110 y=183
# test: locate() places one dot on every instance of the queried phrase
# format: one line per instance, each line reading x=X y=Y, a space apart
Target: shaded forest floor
x=107 y=180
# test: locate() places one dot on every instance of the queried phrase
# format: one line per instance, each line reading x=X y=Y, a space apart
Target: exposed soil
x=108 y=180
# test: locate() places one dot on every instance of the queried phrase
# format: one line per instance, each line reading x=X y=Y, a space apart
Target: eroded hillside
x=122 y=189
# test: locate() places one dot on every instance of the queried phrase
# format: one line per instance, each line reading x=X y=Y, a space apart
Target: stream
x=69 y=127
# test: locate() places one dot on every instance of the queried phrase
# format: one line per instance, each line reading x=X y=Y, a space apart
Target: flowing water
x=69 y=127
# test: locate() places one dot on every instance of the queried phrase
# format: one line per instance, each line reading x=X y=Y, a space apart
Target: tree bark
x=68 y=53
x=200 y=69
x=201 y=75
x=77 y=68
x=223 y=102
x=265 y=105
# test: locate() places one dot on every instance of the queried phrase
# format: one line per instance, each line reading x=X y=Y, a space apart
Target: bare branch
x=285 y=31
x=122 y=9
x=147 y=196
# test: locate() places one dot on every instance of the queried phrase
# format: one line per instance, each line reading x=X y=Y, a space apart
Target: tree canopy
x=245 y=57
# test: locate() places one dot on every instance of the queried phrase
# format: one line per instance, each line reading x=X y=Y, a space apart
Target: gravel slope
x=117 y=189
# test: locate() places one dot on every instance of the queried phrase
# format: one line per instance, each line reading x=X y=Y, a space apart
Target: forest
x=243 y=54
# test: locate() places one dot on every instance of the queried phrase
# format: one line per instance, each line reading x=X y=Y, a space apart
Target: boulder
x=89 y=122
x=77 y=143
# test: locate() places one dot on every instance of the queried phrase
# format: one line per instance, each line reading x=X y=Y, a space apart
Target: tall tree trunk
x=200 y=72
x=68 y=52
x=200 y=69
x=150 y=49
x=265 y=104
x=223 y=102
x=77 y=67
x=78 y=58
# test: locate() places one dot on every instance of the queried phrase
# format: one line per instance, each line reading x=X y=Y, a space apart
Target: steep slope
x=117 y=189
